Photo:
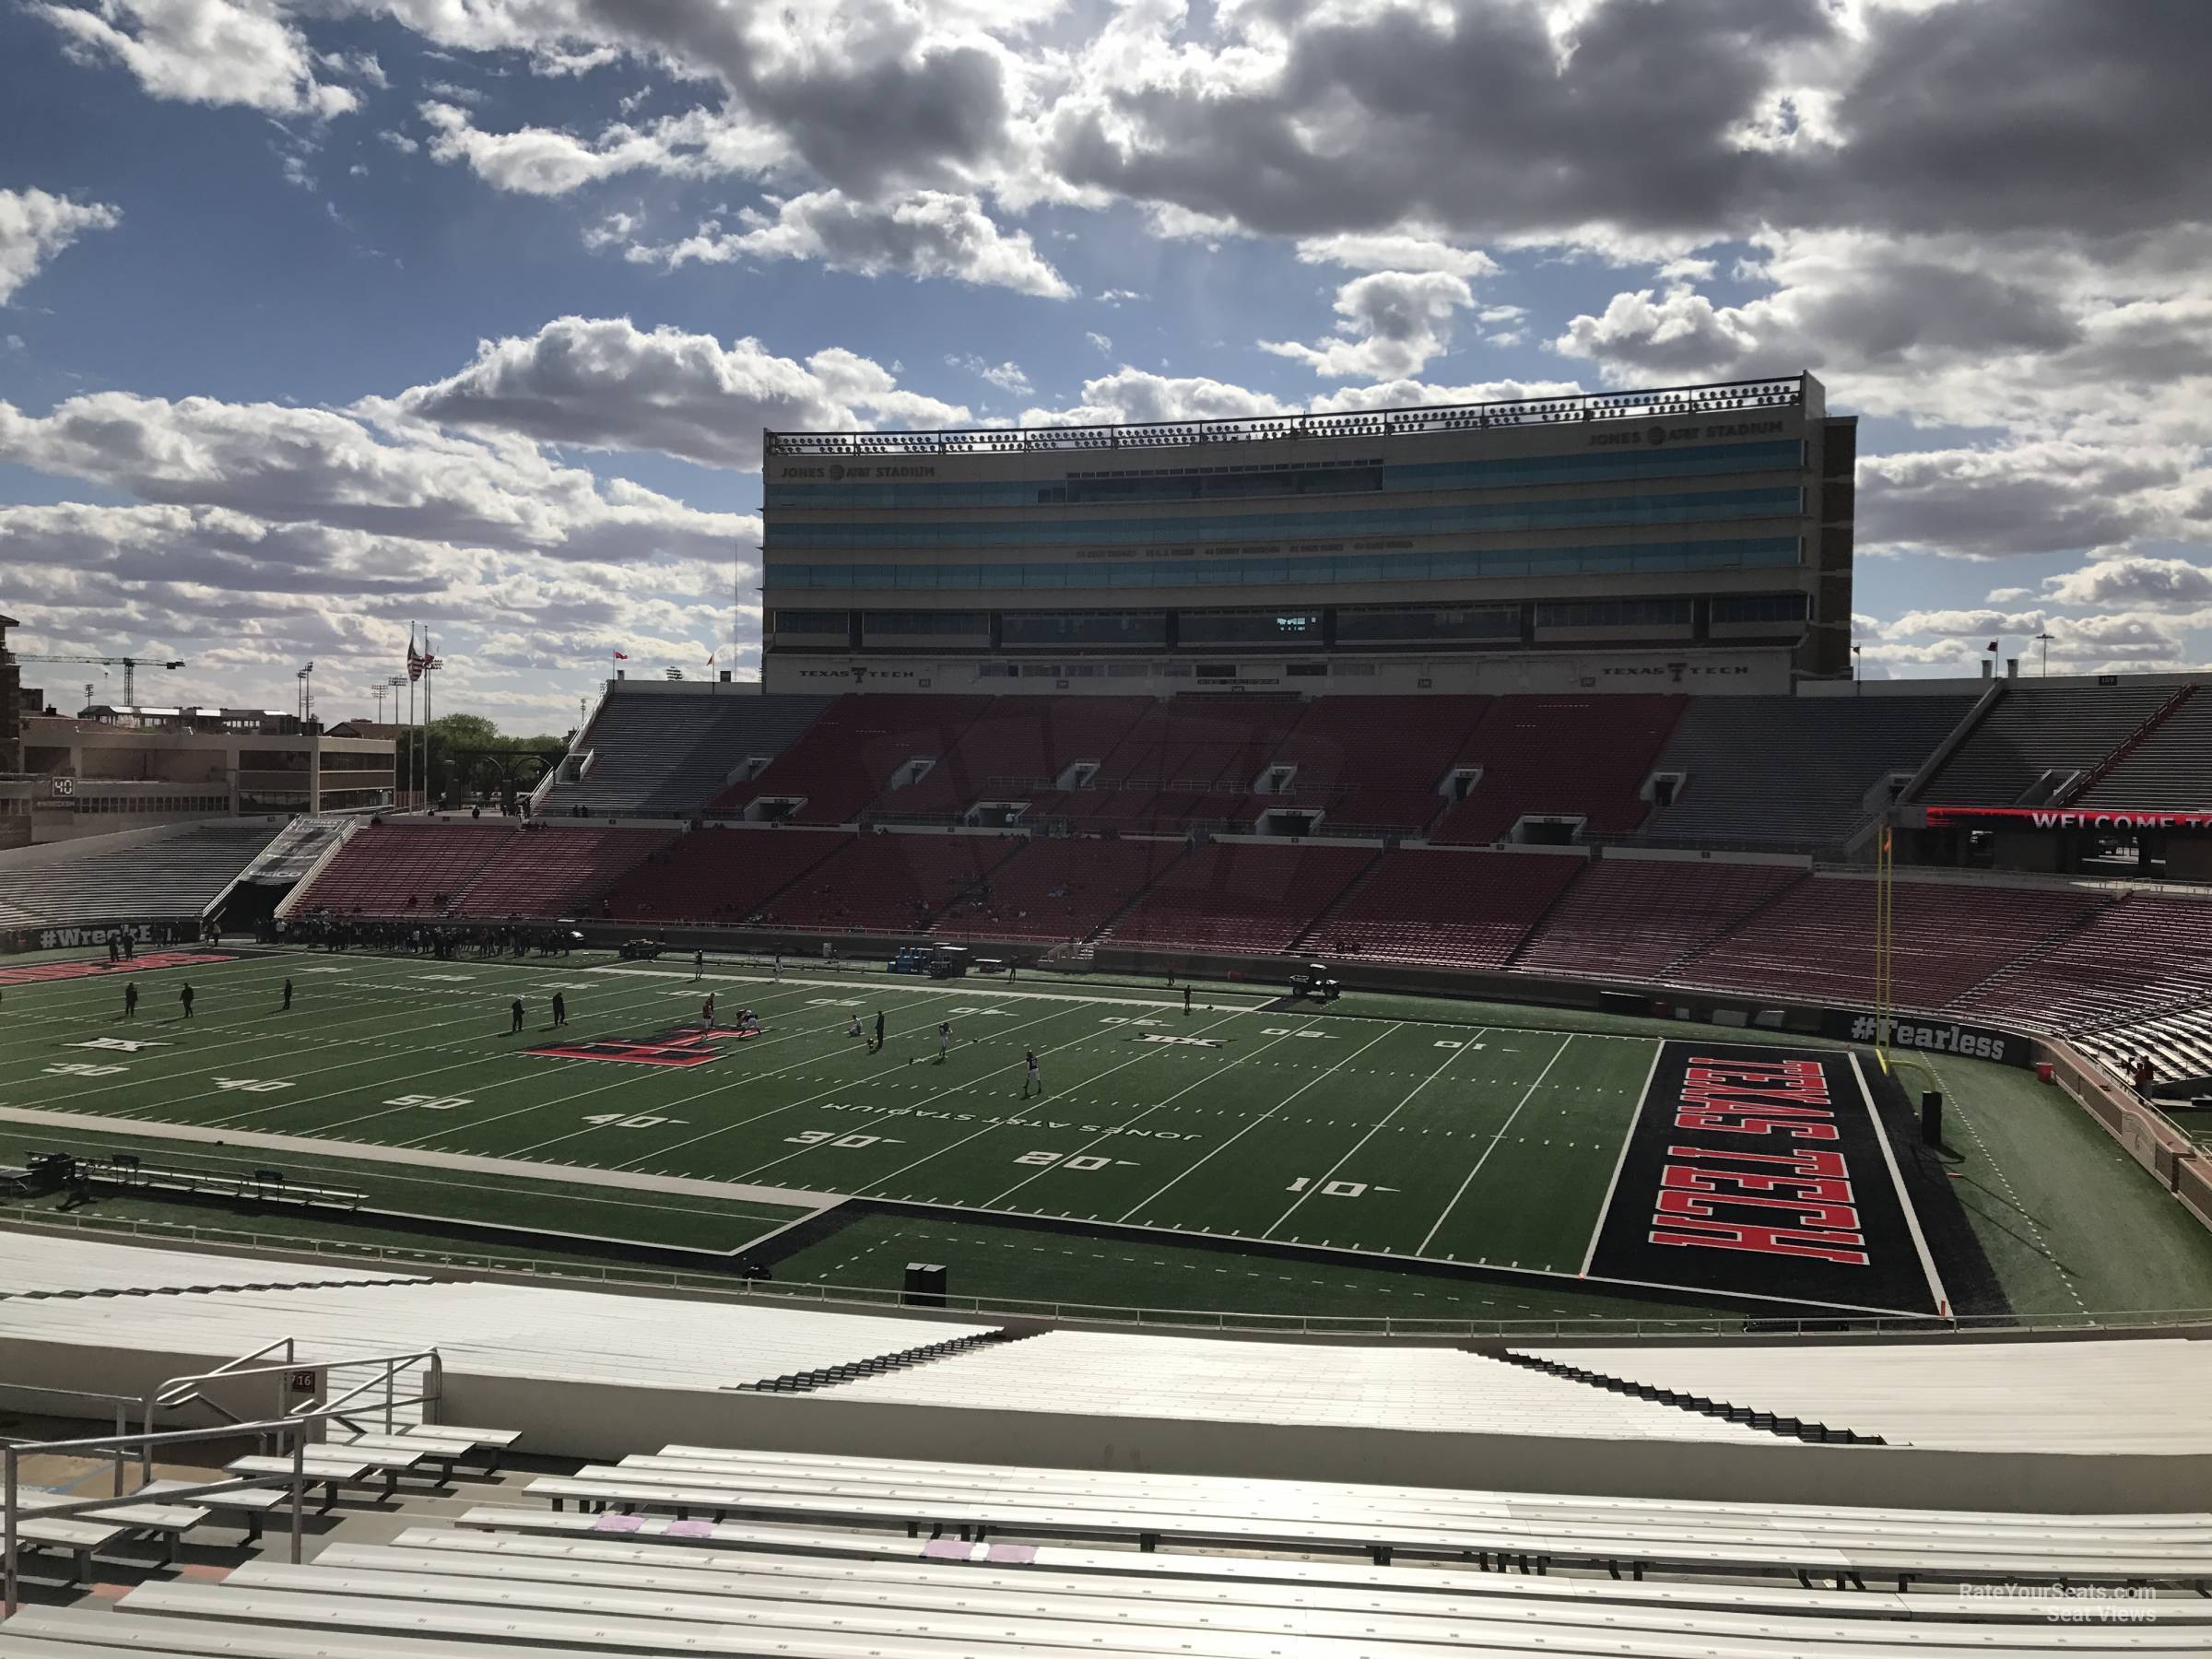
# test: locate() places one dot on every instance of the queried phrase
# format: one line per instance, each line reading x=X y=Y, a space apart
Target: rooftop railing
x=1665 y=403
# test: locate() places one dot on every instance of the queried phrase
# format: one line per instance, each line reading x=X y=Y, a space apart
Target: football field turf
x=1388 y=1127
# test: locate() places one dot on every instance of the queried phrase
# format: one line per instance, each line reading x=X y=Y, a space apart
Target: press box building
x=1692 y=536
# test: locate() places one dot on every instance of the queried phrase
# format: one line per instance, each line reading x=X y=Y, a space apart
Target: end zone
x=1765 y=1172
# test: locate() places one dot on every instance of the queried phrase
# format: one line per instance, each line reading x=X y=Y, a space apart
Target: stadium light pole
x=2044 y=640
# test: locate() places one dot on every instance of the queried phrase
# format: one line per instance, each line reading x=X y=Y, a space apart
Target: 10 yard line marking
x=1422 y=1249
x=1233 y=1140
x=1371 y=1135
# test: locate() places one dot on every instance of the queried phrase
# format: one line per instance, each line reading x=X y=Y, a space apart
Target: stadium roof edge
x=1801 y=388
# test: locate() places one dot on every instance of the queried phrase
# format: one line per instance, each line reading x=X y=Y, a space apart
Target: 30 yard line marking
x=1422 y=1249
x=1371 y=1135
x=1146 y=1203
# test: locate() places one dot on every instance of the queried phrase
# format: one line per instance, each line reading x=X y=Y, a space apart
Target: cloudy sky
x=319 y=317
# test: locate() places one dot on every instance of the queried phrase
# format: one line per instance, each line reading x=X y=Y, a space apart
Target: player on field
x=944 y=1039
x=699 y=964
x=879 y=1030
x=706 y=1013
x=1186 y=1002
x=185 y=996
x=560 y=1009
x=779 y=964
x=1028 y=1074
x=514 y=1016
x=130 y=1000
x=287 y=995
x=854 y=1029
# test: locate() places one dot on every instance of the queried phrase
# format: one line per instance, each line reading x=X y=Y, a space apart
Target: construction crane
x=130 y=666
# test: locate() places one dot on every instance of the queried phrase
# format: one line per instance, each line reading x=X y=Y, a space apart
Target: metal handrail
x=434 y=1387
x=120 y=1446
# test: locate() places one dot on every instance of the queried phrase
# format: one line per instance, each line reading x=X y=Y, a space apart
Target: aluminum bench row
x=1214 y=1494
x=1204 y=1603
x=400 y=1603
x=2065 y=1548
x=1278 y=1581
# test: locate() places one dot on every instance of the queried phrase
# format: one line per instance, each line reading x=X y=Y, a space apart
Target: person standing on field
x=130 y=1000
x=288 y=996
x=514 y=1016
x=706 y=1013
x=185 y=996
x=879 y=1030
x=1028 y=1074
x=699 y=964
x=944 y=1039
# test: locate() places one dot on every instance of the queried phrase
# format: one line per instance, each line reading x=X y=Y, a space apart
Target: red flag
x=414 y=658
x=621 y=656
x=1991 y=646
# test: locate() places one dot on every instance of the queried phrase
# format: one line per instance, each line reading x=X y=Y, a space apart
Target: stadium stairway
x=831 y=1376
x=2167 y=765
x=1787 y=1428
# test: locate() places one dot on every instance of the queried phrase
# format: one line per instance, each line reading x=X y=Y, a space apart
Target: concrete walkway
x=517 y=1169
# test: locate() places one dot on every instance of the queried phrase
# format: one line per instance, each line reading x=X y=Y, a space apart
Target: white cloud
x=1132 y=394
x=35 y=226
x=1100 y=343
x=211 y=51
x=1007 y=377
x=1391 y=324
x=1395 y=251
x=2134 y=579
x=928 y=233
x=605 y=383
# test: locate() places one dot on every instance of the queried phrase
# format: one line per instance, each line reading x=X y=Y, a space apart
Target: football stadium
x=1343 y=1035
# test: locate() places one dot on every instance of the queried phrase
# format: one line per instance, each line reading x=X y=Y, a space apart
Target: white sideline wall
x=603 y=1422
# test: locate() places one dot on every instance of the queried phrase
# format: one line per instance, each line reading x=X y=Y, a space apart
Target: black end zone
x=1765 y=1172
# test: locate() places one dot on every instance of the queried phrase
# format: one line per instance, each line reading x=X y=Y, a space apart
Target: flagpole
x=429 y=665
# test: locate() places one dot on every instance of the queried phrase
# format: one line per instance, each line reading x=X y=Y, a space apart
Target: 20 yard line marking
x=1371 y=1135
x=1422 y=1249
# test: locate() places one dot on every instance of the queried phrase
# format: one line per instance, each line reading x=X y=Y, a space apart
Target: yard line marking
x=1904 y=1199
x=1140 y=1117
x=1422 y=1249
x=473 y=1122
x=1146 y=1052
x=1628 y=1134
x=1371 y=1135
x=1255 y=1122
x=693 y=1100
x=887 y=1115
x=258 y=1035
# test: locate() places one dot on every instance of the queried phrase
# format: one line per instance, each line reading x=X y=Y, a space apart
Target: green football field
x=1383 y=1128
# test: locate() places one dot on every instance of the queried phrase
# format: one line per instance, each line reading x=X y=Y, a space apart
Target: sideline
x=529 y=1169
